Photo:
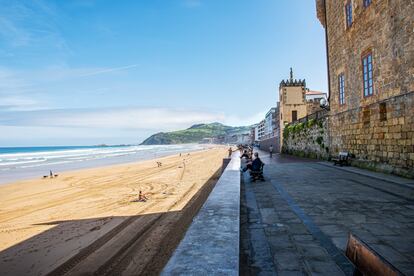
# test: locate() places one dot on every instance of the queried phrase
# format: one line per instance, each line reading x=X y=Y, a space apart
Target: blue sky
x=85 y=72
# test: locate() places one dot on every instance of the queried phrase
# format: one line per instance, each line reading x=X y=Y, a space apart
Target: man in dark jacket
x=255 y=165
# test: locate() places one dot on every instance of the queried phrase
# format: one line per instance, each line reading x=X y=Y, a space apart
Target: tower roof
x=291 y=81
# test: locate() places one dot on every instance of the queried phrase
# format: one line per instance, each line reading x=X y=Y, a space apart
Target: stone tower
x=292 y=101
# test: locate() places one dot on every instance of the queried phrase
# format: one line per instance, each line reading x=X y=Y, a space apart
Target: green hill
x=194 y=134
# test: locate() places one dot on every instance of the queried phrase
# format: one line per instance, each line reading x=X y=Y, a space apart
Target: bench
x=257 y=174
x=366 y=260
x=342 y=159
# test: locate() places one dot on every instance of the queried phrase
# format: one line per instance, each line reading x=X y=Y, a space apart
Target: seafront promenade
x=297 y=222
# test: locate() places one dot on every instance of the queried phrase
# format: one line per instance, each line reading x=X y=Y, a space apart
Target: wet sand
x=89 y=221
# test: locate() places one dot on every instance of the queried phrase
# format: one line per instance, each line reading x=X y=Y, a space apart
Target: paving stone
x=405 y=267
x=290 y=273
x=340 y=242
x=338 y=202
x=293 y=220
x=400 y=243
x=379 y=229
x=358 y=218
x=287 y=261
x=389 y=253
x=268 y=216
x=276 y=229
x=297 y=228
x=278 y=243
x=323 y=268
x=314 y=252
x=301 y=238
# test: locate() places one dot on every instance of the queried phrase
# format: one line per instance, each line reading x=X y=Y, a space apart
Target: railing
x=316 y=115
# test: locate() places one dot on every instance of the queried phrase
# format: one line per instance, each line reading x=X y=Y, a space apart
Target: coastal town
x=322 y=183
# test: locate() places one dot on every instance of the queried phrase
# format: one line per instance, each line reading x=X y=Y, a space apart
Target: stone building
x=313 y=99
x=370 y=52
x=292 y=98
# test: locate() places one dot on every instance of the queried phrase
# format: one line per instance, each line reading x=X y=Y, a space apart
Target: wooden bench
x=366 y=260
x=342 y=159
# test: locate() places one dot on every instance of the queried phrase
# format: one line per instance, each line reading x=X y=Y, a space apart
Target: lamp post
x=324 y=104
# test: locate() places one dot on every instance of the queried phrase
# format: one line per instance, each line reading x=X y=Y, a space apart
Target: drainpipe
x=327 y=51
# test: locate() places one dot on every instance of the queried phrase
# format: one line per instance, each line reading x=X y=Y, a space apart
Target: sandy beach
x=89 y=221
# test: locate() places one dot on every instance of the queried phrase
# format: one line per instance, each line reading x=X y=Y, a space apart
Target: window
x=367 y=3
x=341 y=86
x=294 y=115
x=383 y=111
x=366 y=116
x=367 y=74
x=348 y=14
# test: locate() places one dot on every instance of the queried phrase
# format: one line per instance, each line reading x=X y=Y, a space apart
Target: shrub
x=319 y=140
x=310 y=123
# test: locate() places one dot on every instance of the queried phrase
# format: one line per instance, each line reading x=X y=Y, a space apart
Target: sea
x=18 y=163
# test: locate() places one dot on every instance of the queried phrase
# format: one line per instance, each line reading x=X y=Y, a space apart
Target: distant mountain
x=194 y=134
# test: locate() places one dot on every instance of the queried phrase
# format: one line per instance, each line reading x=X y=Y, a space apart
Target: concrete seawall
x=211 y=244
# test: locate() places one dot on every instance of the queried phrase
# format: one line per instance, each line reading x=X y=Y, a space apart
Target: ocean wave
x=63 y=156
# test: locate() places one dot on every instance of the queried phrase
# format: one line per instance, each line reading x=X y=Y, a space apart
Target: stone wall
x=380 y=135
x=307 y=138
x=385 y=29
x=265 y=144
x=377 y=128
x=312 y=107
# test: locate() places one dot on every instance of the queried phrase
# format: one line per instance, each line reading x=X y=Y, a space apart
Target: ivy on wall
x=306 y=139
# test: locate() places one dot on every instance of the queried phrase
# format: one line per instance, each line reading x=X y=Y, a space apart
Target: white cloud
x=19 y=103
x=115 y=118
x=109 y=70
x=114 y=125
x=23 y=89
x=14 y=35
x=247 y=120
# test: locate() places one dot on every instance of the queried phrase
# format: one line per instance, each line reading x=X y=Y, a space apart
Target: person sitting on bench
x=245 y=154
x=255 y=165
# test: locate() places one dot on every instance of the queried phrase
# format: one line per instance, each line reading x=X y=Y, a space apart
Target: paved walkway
x=297 y=221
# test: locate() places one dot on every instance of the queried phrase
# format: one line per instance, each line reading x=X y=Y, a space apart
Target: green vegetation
x=299 y=127
x=319 y=140
x=311 y=123
x=194 y=134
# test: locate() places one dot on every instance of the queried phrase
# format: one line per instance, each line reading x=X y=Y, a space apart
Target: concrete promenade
x=297 y=221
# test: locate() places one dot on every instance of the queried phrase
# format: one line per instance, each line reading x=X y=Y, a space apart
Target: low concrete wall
x=211 y=244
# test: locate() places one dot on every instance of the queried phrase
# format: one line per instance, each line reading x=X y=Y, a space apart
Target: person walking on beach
x=230 y=151
x=51 y=174
x=271 y=150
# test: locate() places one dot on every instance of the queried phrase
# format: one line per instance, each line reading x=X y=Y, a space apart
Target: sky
x=85 y=72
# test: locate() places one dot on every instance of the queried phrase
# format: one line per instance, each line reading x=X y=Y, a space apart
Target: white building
x=270 y=123
x=261 y=130
x=315 y=96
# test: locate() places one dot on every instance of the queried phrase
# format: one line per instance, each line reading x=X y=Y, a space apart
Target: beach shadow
x=102 y=244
